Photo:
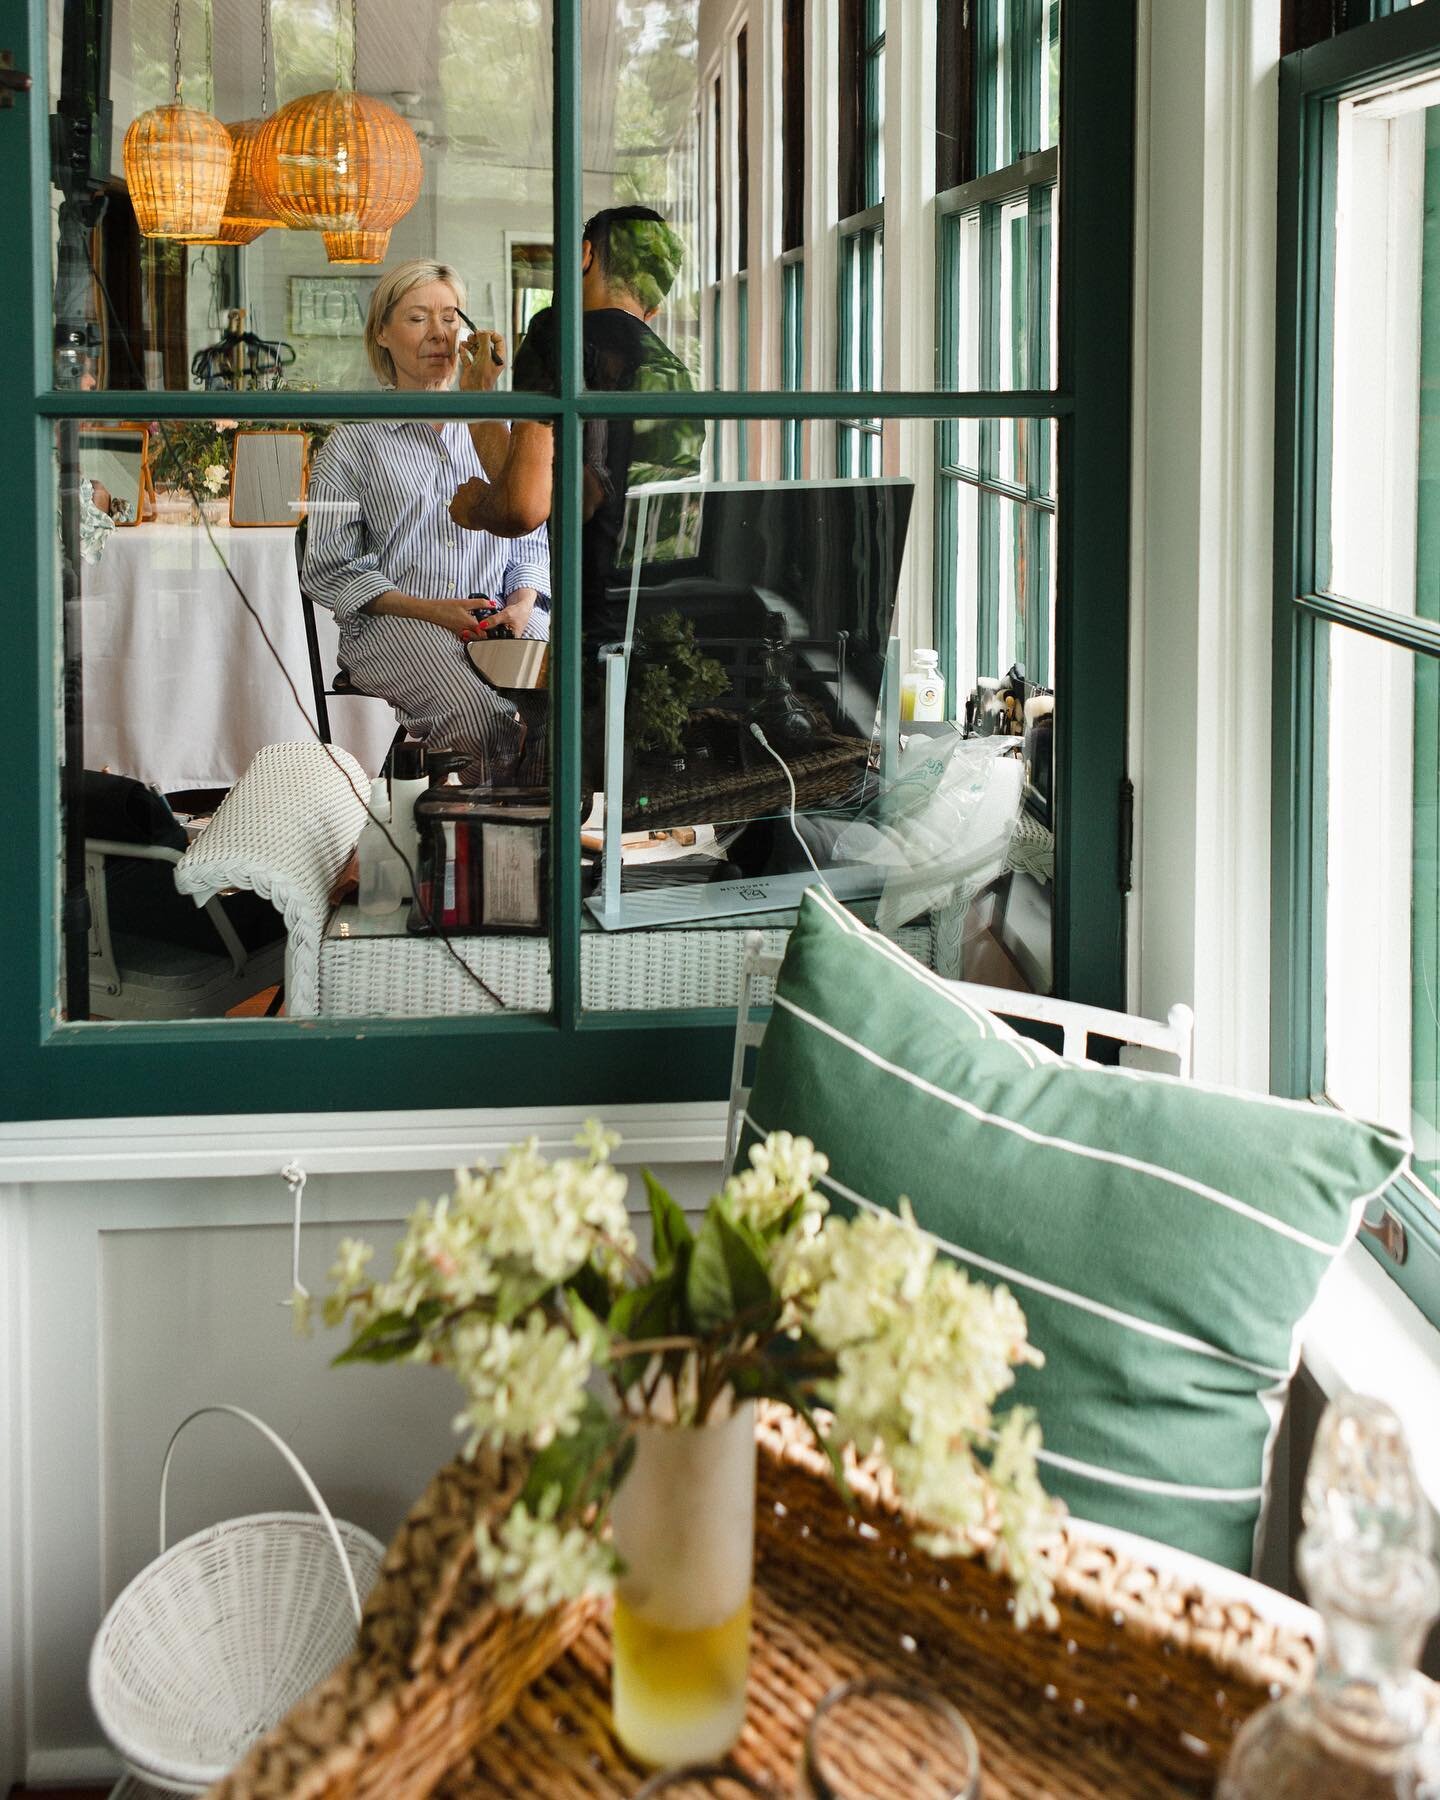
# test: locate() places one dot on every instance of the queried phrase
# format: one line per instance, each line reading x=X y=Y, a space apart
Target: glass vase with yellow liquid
x=684 y=1528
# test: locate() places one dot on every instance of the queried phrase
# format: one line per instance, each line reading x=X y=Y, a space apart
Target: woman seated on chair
x=384 y=555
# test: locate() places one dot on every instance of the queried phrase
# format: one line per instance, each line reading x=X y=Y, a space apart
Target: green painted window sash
x=567 y=1057
x=1030 y=451
x=858 y=439
x=1400 y=45
x=717 y=374
x=742 y=372
x=792 y=355
x=872 y=55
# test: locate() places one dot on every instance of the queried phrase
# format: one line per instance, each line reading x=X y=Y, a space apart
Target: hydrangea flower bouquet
x=631 y=1386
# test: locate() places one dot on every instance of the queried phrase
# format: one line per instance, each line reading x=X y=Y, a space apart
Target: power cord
x=765 y=744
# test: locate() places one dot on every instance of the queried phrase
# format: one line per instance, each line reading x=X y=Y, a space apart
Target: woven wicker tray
x=1138 y=1693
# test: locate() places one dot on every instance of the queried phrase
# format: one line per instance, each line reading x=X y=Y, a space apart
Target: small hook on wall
x=294 y=1177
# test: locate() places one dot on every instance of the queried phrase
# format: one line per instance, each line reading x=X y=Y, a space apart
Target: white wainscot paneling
x=127 y=1303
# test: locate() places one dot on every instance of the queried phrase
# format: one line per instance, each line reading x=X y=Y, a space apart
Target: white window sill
x=1364 y=1335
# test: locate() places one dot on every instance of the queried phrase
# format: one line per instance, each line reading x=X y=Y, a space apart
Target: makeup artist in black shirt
x=630 y=260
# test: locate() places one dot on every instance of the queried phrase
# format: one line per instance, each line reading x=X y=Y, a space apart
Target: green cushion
x=1164 y=1238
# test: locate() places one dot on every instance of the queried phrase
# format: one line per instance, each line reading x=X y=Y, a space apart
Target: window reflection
x=719 y=250
x=752 y=725
x=706 y=120
x=308 y=721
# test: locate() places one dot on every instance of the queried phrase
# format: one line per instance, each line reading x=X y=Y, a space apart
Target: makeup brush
x=495 y=356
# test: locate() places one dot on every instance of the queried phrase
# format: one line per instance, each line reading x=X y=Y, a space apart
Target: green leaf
x=391 y=1336
x=671 y=1229
x=726 y=1277
x=641 y=1313
x=582 y=1465
x=591 y=1330
x=519 y=1290
x=593 y=1289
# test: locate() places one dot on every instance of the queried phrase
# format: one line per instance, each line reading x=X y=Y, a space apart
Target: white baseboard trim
x=82 y=1762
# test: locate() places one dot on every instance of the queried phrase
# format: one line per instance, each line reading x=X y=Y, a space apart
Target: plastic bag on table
x=946 y=820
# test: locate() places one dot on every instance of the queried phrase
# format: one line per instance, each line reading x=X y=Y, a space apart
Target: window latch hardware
x=13 y=81
x=1390 y=1234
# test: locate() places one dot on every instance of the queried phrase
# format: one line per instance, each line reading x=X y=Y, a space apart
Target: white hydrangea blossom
x=912 y=1354
x=548 y=1215
x=852 y=1278
x=782 y=1170
x=921 y=1354
x=524 y=1382
x=533 y=1563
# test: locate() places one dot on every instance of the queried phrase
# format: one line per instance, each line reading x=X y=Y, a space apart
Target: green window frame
x=567 y=1057
x=1397 y=46
x=792 y=356
x=872 y=76
x=862 y=312
x=995 y=327
x=742 y=372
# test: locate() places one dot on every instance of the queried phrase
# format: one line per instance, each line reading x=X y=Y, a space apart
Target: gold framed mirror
x=117 y=459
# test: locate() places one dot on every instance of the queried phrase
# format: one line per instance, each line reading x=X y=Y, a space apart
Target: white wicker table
x=369 y=968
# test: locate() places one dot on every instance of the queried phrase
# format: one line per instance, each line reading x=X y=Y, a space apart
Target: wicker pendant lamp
x=246 y=215
x=341 y=163
x=356 y=246
x=177 y=166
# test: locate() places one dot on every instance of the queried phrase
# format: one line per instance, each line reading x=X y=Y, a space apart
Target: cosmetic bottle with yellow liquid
x=684 y=1529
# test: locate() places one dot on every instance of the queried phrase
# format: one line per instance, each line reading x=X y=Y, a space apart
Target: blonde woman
x=384 y=555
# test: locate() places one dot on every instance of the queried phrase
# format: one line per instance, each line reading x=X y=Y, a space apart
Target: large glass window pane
x=1003 y=574
x=754 y=634
x=236 y=245
x=1382 y=942
x=271 y=633
x=998 y=291
x=1386 y=357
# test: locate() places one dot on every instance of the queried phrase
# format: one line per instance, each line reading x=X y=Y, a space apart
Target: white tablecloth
x=180 y=689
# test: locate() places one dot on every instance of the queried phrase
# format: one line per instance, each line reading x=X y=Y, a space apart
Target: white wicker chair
x=1077 y=1024
x=285 y=830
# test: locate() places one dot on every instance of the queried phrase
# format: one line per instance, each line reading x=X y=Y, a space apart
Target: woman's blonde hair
x=390 y=290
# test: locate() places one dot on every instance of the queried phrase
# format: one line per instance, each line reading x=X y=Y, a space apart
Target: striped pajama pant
x=440 y=697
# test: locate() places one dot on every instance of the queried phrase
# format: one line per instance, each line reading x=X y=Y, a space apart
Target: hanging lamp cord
x=178 y=97
x=210 y=56
x=264 y=57
x=354 y=46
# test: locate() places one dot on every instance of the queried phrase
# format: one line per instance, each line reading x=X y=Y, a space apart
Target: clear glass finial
x=1368 y=1728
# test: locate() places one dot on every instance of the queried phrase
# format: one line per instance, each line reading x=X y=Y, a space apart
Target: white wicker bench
x=623 y=971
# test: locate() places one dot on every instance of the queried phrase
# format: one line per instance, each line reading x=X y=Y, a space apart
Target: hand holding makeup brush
x=482 y=361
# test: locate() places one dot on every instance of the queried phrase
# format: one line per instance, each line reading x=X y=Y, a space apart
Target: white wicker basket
x=216 y=1640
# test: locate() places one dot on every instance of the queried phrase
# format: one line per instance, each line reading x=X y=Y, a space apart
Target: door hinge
x=1125 y=864
x=13 y=81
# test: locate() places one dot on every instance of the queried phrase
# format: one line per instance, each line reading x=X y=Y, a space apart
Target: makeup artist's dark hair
x=636 y=251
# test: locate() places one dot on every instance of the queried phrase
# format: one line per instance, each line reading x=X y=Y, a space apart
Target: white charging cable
x=761 y=739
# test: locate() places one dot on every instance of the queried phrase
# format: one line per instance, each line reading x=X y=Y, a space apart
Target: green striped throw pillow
x=1164 y=1238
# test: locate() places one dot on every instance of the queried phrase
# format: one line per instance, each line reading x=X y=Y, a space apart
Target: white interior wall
x=142 y=1271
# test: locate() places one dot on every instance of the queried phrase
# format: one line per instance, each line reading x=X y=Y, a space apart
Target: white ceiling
x=480 y=70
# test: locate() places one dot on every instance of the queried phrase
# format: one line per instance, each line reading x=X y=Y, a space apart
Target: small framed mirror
x=116 y=458
x=268 y=471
